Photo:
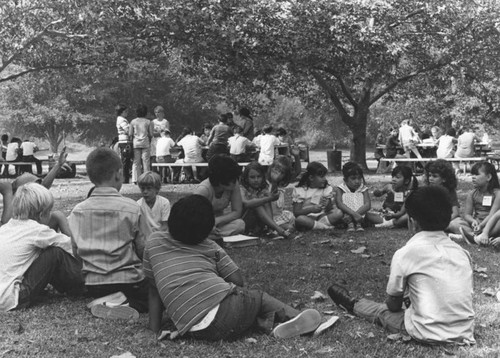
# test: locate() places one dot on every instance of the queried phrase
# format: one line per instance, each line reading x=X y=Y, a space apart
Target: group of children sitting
x=163 y=259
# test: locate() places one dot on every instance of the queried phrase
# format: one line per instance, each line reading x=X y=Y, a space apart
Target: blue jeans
x=243 y=309
x=54 y=266
x=379 y=313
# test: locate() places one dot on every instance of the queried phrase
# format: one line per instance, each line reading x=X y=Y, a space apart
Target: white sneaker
x=386 y=224
x=456 y=237
x=113 y=299
x=305 y=322
x=117 y=312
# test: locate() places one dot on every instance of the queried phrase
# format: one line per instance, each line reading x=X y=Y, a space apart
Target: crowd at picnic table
x=169 y=260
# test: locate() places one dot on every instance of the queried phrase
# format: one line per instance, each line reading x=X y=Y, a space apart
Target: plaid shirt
x=109 y=231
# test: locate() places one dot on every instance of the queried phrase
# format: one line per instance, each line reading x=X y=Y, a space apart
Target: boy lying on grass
x=33 y=255
x=431 y=274
x=201 y=288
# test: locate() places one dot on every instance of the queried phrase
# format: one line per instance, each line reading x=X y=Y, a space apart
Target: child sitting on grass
x=441 y=173
x=431 y=274
x=353 y=198
x=257 y=203
x=402 y=184
x=155 y=207
x=202 y=289
x=32 y=255
x=481 y=204
x=109 y=232
x=313 y=204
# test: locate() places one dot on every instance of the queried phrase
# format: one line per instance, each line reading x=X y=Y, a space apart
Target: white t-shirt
x=158 y=126
x=192 y=148
x=436 y=274
x=465 y=145
x=158 y=213
x=163 y=146
x=11 y=151
x=28 y=148
x=407 y=135
x=267 y=143
x=122 y=127
x=445 y=146
x=238 y=144
x=20 y=245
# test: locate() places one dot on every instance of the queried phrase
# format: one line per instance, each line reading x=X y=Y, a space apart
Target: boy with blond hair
x=109 y=231
x=32 y=255
x=155 y=207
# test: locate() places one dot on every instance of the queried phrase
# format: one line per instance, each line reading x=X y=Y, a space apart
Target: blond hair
x=32 y=201
x=150 y=179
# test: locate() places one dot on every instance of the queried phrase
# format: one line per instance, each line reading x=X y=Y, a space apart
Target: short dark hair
x=120 y=108
x=281 y=131
x=237 y=129
x=191 y=219
x=445 y=170
x=223 y=170
x=245 y=112
x=5 y=137
x=430 y=206
x=141 y=110
x=102 y=163
x=267 y=128
x=223 y=118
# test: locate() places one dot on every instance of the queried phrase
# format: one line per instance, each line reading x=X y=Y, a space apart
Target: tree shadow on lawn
x=288 y=270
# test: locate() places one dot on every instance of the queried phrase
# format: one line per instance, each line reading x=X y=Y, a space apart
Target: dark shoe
x=341 y=297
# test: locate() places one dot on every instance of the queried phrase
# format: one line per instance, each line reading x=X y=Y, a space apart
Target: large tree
x=354 y=52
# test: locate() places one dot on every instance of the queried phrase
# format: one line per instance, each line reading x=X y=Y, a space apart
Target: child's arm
x=6 y=191
x=367 y=204
x=59 y=222
x=254 y=203
x=61 y=161
x=236 y=278
x=397 y=215
x=156 y=308
x=468 y=211
x=236 y=208
x=495 y=206
x=300 y=209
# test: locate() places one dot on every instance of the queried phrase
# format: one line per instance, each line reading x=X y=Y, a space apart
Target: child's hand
x=275 y=195
x=495 y=242
x=358 y=218
x=323 y=202
x=482 y=239
x=315 y=208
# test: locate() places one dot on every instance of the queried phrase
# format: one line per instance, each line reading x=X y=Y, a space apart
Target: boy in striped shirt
x=201 y=288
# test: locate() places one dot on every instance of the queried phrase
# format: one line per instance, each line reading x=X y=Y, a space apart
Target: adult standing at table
x=159 y=123
x=465 y=146
x=409 y=139
x=446 y=144
x=247 y=123
x=124 y=143
x=141 y=132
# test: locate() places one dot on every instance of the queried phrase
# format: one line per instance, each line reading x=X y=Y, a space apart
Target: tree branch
x=38 y=69
x=410 y=15
x=333 y=95
x=407 y=78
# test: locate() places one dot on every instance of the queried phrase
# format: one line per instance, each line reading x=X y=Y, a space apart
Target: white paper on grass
x=239 y=238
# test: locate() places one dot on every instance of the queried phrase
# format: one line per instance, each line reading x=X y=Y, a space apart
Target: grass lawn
x=289 y=270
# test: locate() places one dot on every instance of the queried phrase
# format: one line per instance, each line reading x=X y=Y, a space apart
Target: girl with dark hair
x=402 y=184
x=313 y=203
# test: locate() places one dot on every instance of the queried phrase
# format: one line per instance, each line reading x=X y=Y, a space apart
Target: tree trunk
x=358 y=147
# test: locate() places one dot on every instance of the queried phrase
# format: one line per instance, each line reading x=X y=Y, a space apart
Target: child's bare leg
x=495 y=231
x=401 y=221
x=304 y=222
x=267 y=219
x=334 y=216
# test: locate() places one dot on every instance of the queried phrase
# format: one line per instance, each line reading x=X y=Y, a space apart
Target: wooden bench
x=194 y=166
x=466 y=161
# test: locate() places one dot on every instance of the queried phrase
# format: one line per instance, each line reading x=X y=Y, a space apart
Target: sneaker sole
x=325 y=325
x=117 y=312
x=116 y=298
x=307 y=321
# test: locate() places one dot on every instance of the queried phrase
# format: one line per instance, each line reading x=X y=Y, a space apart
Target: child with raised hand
x=257 y=202
x=156 y=208
x=313 y=204
x=353 y=198
x=32 y=255
x=431 y=275
x=402 y=184
x=441 y=173
x=481 y=204
x=211 y=302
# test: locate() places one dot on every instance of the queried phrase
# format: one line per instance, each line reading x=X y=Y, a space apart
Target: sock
x=319 y=225
x=324 y=220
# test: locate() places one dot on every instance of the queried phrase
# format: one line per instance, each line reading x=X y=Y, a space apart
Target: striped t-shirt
x=190 y=278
